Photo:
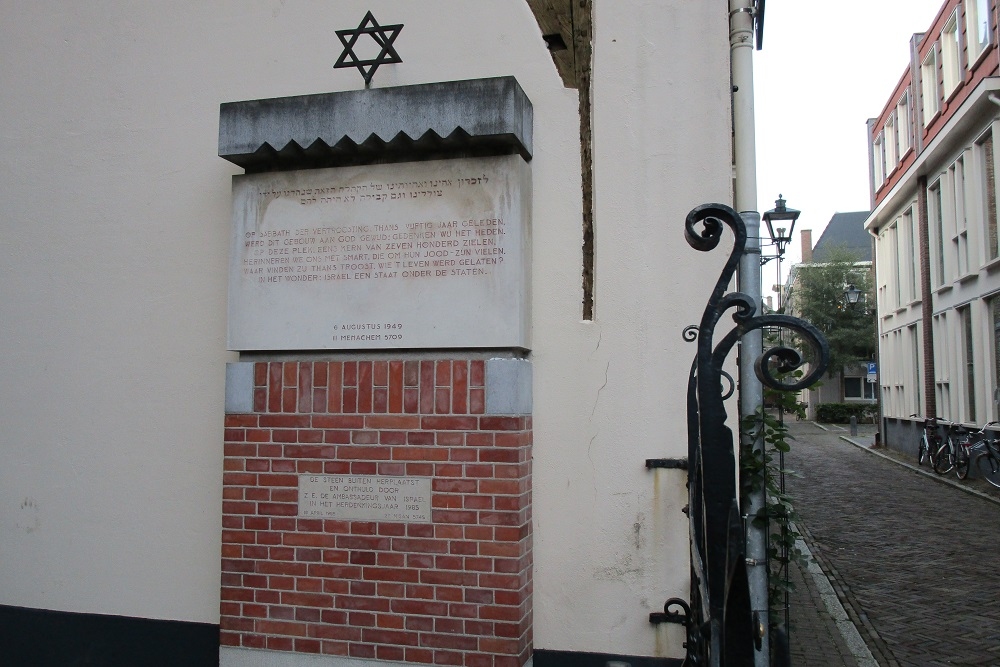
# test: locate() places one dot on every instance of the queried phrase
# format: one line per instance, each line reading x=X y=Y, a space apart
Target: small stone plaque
x=429 y=254
x=365 y=498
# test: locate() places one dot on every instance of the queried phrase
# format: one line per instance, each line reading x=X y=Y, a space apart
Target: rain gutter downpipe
x=741 y=44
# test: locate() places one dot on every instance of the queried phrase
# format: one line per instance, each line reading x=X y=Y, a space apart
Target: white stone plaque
x=412 y=255
x=365 y=498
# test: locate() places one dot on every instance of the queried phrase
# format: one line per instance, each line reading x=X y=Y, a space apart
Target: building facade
x=123 y=483
x=934 y=219
x=844 y=236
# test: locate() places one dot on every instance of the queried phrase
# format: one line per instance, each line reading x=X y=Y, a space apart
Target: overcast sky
x=825 y=69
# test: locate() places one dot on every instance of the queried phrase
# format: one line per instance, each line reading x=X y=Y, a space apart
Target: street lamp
x=852 y=294
x=779 y=215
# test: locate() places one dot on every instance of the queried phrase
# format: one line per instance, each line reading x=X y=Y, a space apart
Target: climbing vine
x=762 y=468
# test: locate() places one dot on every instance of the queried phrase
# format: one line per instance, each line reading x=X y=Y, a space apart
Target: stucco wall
x=114 y=215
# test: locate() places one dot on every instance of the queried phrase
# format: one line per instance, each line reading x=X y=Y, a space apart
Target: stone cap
x=428 y=121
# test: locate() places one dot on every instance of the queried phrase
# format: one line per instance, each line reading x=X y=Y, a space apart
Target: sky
x=824 y=70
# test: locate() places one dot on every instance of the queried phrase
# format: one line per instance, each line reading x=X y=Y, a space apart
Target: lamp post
x=776 y=216
x=779 y=215
x=852 y=294
x=780 y=222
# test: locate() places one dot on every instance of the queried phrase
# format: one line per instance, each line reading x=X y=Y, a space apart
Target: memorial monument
x=377 y=485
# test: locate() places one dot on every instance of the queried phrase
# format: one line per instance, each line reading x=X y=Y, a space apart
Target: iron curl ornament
x=721 y=628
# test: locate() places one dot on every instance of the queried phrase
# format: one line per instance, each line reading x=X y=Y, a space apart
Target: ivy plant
x=760 y=468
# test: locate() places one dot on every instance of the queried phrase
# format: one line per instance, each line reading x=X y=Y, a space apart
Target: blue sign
x=872 y=368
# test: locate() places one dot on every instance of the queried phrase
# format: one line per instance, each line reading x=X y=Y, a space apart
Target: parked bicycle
x=960 y=450
x=947 y=455
x=988 y=462
x=930 y=442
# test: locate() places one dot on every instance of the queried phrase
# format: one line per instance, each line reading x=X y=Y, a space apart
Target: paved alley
x=915 y=560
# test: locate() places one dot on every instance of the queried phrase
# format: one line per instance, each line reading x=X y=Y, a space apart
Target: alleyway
x=917 y=561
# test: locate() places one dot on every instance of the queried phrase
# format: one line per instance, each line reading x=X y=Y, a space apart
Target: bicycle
x=988 y=462
x=930 y=441
x=944 y=459
x=963 y=445
x=938 y=450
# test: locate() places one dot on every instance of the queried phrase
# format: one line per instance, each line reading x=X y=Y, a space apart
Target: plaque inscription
x=365 y=498
x=411 y=255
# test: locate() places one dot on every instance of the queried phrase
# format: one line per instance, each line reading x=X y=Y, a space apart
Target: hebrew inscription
x=430 y=254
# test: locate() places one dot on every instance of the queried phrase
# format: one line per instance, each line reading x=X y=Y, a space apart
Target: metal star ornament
x=384 y=35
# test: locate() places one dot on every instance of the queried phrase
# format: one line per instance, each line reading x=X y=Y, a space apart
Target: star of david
x=384 y=35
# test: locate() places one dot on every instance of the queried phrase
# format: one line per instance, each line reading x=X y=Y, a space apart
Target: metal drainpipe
x=741 y=34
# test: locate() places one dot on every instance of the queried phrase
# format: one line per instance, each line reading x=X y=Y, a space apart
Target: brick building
x=934 y=218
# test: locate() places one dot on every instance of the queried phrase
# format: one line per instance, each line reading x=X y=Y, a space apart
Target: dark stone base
x=43 y=638
x=903 y=435
x=543 y=658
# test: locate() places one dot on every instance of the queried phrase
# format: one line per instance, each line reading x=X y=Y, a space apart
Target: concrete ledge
x=428 y=121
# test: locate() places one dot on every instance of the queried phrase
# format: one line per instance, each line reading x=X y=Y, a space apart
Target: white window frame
x=916 y=369
x=986 y=156
x=942 y=380
x=903 y=130
x=967 y=358
x=878 y=158
x=936 y=223
x=906 y=247
x=882 y=275
x=930 y=103
x=885 y=381
x=891 y=153
x=977 y=28
x=893 y=286
x=958 y=186
x=951 y=56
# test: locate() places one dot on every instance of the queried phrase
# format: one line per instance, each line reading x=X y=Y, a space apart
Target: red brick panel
x=456 y=591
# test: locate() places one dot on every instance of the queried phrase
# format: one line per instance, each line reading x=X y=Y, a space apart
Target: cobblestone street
x=914 y=560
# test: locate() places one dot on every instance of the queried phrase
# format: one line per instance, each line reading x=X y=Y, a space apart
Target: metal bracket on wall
x=678 y=464
x=666 y=616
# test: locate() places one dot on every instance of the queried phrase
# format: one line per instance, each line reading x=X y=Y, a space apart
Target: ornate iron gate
x=721 y=628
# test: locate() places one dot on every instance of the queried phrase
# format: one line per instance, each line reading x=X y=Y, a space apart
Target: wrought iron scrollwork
x=719 y=621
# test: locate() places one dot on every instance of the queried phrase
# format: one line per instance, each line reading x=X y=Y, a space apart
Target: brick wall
x=456 y=591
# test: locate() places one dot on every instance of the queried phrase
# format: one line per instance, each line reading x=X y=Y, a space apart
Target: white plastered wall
x=114 y=215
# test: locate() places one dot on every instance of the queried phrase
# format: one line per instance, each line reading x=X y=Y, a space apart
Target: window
x=915 y=368
x=899 y=262
x=995 y=314
x=977 y=27
x=908 y=259
x=989 y=194
x=935 y=211
x=960 y=236
x=903 y=124
x=929 y=87
x=878 y=158
x=886 y=373
x=968 y=361
x=859 y=388
x=899 y=379
x=889 y=134
x=891 y=259
x=942 y=386
x=883 y=277
x=951 y=64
